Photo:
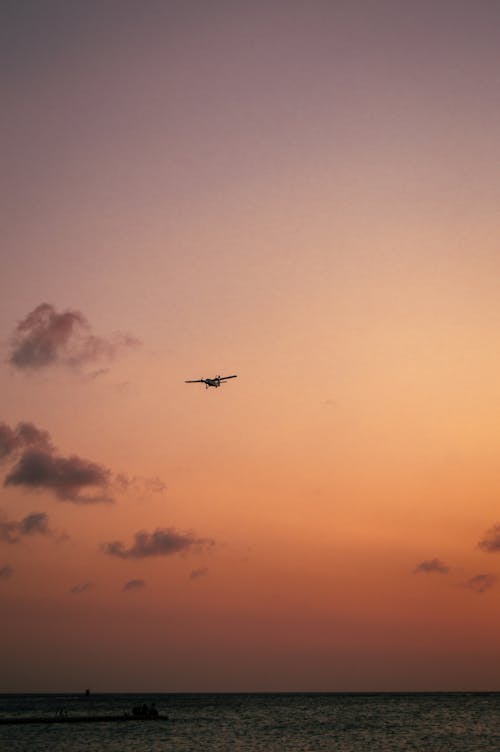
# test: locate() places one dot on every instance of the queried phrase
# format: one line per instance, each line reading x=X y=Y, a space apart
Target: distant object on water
x=142 y=711
x=139 y=713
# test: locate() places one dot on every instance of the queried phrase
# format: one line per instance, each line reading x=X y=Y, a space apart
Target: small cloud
x=98 y=372
x=134 y=585
x=6 y=571
x=481 y=582
x=47 y=338
x=491 y=541
x=195 y=574
x=12 y=531
x=431 y=566
x=161 y=542
x=36 y=522
x=82 y=587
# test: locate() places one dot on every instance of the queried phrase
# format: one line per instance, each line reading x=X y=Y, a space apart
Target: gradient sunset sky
x=305 y=194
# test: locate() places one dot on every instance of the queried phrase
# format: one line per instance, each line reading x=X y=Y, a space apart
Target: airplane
x=216 y=381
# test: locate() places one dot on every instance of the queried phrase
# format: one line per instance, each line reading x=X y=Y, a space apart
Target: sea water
x=427 y=722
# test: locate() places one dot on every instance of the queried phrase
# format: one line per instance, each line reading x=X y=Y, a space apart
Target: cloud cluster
x=134 y=585
x=481 y=582
x=431 y=566
x=161 y=542
x=491 y=541
x=6 y=571
x=36 y=523
x=45 y=338
x=39 y=467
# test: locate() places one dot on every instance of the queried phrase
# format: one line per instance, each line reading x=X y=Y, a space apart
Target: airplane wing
x=195 y=381
x=223 y=378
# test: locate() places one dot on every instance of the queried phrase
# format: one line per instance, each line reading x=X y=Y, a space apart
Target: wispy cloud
x=82 y=587
x=134 y=585
x=161 y=542
x=12 y=531
x=6 y=571
x=491 y=541
x=481 y=582
x=195 y=574
x=98 y=372
x=141 y=487
x=431 y=566
x=47 y=338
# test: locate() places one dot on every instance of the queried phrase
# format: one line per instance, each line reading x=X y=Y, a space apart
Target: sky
x=304 y=194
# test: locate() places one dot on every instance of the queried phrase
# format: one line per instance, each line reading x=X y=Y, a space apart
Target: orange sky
x=308 y=199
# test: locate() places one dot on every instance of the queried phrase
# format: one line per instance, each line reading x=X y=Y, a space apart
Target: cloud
x=65 y=476
x=431 y=566
x=24 y=435
x=46 y=338
x=161 y=542
x=99 y=372
x=134 y=585
x=197 y=573
x=82 y=587
x=38 y=466
x=491 y=541
x=6 y=571
x=34 y=523
x=140 y=486
x=481 y=582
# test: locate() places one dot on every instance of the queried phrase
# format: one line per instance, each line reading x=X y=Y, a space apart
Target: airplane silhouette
x=216 y=381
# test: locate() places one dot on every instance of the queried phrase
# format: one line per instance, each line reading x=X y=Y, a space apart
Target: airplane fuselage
x=212 y=382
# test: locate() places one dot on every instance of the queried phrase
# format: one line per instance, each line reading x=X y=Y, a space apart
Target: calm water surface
x=456 y=722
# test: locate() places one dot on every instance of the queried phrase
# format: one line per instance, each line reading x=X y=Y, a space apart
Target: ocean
x=282 y=722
